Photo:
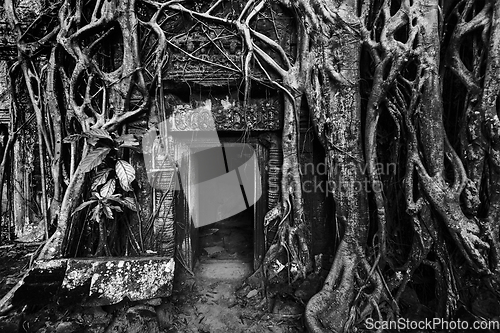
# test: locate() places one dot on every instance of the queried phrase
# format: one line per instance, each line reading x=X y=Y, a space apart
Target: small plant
x=112 y=181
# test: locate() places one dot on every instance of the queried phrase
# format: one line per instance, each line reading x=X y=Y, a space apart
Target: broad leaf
x=130 y=203
x=99 y=133
x=130 y=144
x=107 y=211
x=96 y=213
x=92 y=141
x=83 y=205
x=73 y=138
x=94 y=158
x=136 y=148
x=125 y=173
x=100 y=178
x=108 y=189
x=116 y=208
x=126 y=202
x=129 y=139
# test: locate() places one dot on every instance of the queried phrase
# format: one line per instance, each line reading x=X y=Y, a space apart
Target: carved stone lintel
x=227 y=115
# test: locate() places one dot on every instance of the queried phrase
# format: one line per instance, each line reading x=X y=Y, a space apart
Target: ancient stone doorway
x=229 y=238
x=239 y=237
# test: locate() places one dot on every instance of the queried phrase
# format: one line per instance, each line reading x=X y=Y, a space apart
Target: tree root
x=343 y=301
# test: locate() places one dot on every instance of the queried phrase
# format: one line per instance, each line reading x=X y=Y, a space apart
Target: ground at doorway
x=215 y=299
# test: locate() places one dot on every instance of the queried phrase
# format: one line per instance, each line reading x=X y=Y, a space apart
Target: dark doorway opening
x=238 y=238
x=229 y=239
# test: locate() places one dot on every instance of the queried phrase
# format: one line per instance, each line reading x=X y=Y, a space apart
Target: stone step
x=225 y=270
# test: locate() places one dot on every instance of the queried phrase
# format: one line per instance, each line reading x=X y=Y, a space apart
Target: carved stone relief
x=228 y=115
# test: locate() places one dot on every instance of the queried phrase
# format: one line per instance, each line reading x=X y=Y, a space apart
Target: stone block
x=105 y=281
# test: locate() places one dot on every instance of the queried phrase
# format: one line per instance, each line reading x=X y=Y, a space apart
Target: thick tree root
x=328 y=310
x=342 y=301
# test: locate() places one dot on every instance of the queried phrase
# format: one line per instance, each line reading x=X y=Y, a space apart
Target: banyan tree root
x=351 y=292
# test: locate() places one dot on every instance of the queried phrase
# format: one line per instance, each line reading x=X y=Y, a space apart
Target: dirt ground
x=215 y=299
x=202 y=303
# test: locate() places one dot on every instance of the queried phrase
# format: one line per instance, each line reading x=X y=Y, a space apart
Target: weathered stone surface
x=224 y=270
x=108 y=281
x=227 y=114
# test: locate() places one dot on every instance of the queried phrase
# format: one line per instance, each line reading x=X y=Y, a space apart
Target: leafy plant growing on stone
x=112 y=180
